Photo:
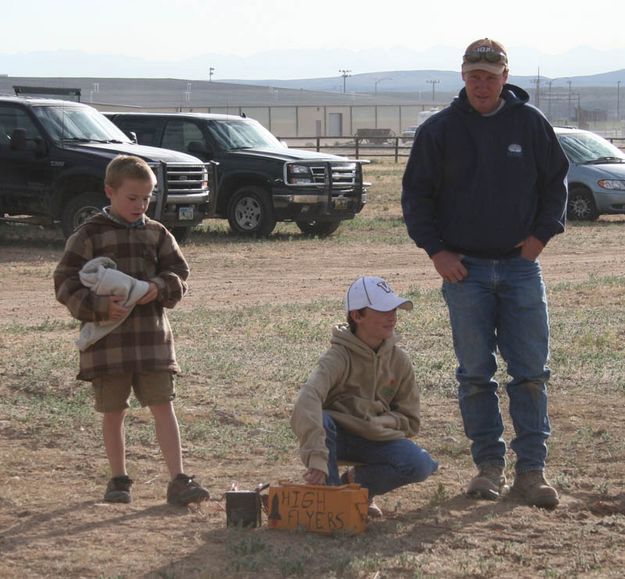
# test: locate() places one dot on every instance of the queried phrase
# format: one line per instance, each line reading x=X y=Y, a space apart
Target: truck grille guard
x=334 y=178
x=182 y=183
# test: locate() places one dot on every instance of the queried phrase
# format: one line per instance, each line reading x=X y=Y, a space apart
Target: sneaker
x=532 y=487
x=183 y=490
x=489 y=484
x=374 y=511
x=348 y=476
x=118 y=490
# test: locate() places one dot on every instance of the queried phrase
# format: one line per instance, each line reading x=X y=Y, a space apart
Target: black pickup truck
x=53 y=155
x=259 y=179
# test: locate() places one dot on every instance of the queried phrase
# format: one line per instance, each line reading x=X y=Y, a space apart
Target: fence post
x=356 y=141
x=318 y=144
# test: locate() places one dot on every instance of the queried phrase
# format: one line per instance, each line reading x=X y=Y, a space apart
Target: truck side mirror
x=18 y=140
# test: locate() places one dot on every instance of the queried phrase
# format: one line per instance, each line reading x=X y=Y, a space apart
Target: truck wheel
x=79 y=209
x=181 y=233
x=318 y=228
x=250 y=212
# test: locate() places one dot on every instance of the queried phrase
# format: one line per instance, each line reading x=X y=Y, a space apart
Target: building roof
x=169 y=92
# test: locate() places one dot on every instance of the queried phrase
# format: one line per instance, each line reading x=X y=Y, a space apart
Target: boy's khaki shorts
x=112 y=391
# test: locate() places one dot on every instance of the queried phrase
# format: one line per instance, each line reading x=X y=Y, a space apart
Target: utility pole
x=536 y=81
x=95 y=88
x=433 y=83
x=618 y=101
x=375 y=84
x=549 y=101
x=568 y=114
x=211 y=70
x=344 y=73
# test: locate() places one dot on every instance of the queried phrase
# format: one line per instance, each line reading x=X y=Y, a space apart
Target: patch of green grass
x=250 y=362
x=46 y=325
x=587 y=321
x=55 y=419
x=248 y=552
x=440 y=496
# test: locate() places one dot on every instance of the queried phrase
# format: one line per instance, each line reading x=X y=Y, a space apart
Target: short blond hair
x=127 y=167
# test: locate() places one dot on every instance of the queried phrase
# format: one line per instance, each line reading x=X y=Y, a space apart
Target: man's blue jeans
x=386 y=465
x=502 y=305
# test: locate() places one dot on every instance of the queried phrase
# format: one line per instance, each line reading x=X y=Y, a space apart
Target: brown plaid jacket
x=144 y=341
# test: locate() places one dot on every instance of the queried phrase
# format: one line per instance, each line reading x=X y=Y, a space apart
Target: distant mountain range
x=410 y=81
x=320 y=69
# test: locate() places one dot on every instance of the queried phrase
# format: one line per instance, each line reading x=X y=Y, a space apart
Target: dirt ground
x=251 y=274
x=53 y=525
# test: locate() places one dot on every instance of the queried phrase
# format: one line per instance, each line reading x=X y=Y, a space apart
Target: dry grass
x=254 y=324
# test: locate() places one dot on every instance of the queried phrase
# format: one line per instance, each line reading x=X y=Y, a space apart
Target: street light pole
x=433 y=83
x=375 y=84
x=618 y=101
x=344 y=73
x=211 y=70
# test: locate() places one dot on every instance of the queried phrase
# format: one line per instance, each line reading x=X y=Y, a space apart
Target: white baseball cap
x=375 y=293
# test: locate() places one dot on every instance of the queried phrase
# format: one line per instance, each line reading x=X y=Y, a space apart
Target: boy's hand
x=116 y=310
x=150 y=295
x=314 y=476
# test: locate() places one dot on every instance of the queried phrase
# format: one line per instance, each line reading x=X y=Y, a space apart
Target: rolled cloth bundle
x=101 y=276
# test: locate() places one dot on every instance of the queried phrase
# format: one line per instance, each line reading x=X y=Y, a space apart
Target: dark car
x=53 y=156
x=259 y=180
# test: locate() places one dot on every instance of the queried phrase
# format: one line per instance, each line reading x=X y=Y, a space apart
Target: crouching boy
x=361 y=403
x=132 y=344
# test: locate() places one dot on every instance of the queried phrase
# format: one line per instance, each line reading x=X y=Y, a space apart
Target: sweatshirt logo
x=515 y=150
x=387 y=392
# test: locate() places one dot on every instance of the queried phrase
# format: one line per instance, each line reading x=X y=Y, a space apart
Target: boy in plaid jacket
x=138 y=353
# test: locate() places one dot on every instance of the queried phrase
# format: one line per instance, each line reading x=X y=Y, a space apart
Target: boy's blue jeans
x=386 y=465
x=502 y=305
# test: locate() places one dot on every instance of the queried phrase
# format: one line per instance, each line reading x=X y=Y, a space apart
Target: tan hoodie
x=371 y=394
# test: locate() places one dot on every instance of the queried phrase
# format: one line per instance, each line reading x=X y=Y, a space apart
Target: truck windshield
x=589 y=148
x=242 y=134
x=83 y=124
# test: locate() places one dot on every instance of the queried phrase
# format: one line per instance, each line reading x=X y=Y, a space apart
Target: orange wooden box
x=322 y=509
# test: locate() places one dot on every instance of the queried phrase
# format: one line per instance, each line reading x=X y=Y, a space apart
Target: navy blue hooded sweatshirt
x=479 y=185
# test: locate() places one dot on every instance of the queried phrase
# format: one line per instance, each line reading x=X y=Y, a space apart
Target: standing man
x=483 y=192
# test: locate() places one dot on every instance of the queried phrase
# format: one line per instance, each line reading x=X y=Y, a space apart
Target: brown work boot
x=118 y=490
x=489 y=483
x=183 y=490
x=532 y=487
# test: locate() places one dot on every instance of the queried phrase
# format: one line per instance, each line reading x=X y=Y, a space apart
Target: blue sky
x=171 y=30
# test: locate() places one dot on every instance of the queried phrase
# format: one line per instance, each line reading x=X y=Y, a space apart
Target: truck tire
x=181 y=234
x=318 y=228
x=250 y=212
x=79 y=209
